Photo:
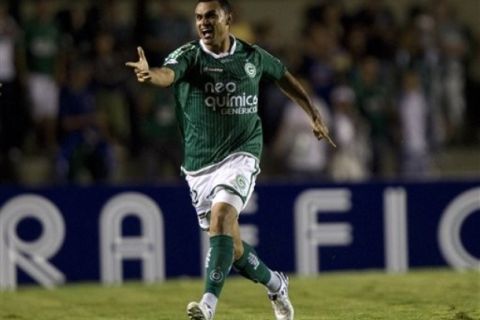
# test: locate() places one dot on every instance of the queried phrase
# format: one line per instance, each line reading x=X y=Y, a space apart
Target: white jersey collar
x=223 y=54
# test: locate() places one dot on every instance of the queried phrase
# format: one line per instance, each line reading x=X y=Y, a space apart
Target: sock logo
x=207 y=259
x=253 y=260
x=216 y=276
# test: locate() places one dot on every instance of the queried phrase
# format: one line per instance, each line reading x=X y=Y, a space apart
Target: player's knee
x=222 y=219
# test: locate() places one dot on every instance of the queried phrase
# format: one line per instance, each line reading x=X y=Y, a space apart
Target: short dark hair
x=224 y=4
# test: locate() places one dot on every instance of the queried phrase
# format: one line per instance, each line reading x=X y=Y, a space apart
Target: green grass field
x=419 y=295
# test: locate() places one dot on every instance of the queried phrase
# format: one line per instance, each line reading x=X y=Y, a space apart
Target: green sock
x=251 y=267
x=219 y=262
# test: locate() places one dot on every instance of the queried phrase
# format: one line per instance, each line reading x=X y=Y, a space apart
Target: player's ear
x=229 y=19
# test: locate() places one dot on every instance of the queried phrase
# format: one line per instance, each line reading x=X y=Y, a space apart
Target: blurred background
x=397 y=81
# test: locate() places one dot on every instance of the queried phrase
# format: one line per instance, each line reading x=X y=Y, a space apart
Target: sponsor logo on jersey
x=170 y=61
x=224 y=97
x=208 y=69
x=250 y=69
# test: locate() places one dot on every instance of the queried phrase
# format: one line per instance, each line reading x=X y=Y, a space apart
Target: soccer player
x=216 y=81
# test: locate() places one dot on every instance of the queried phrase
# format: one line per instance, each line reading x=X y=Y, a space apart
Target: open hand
x=141 y=68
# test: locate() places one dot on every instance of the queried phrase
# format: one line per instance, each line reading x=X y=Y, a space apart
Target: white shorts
x=230 y=181
x=44 y=94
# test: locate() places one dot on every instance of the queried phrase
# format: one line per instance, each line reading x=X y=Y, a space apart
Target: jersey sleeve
x=273 y=68
x=179 y=61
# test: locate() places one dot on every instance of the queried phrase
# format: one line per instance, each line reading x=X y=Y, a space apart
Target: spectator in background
x=161 y=149
x=356 y=44
x=318 y=63
x=330 y=13
x=116 y=28
x=350 y=158
x=409 y=52
x=453 y=48
x=454 y=75
x=166 y=29
x=270 y=98
x=78 y=25
x=44 y=62
x=116 y=18
x=13 y=113
x=413 y=109
x=418 y=57
x=85 y=152
x=302 y=157
x=379 y=22
x=110 y=78
x=472 y=133
x=428 y=63
x=375 y=108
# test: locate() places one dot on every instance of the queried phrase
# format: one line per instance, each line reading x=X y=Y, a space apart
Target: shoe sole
x=194 y=311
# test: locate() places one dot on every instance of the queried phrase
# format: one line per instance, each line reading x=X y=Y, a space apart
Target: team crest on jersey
x=250 y=69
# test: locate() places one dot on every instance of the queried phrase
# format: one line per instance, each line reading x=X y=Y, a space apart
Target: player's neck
x=221 y=47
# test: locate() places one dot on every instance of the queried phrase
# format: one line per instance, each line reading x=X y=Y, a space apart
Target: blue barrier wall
x=297 y=228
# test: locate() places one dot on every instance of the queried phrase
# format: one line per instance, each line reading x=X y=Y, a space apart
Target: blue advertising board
x=55 y=235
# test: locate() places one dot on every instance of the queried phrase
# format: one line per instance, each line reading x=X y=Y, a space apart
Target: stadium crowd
x=394 y=92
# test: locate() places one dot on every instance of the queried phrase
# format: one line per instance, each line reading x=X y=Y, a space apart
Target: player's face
x=212 y=22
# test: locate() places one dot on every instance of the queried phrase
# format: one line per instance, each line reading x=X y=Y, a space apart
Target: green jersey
x=217 y=100
x=42 y=44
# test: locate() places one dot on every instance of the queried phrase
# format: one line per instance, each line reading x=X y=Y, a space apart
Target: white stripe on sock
x=210 y=299
x=275 y=283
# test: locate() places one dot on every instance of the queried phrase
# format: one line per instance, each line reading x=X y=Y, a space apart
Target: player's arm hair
x=163 y=77
x=293 y=89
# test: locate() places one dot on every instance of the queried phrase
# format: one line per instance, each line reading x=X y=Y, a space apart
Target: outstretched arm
x=162 y=77
x=294 y=90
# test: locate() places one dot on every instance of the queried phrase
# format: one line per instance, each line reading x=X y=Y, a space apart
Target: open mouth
x=207 y=33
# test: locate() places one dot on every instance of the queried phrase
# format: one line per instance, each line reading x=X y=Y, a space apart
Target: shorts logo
x=216 y=276
x=250 y=69
x=241 y=182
